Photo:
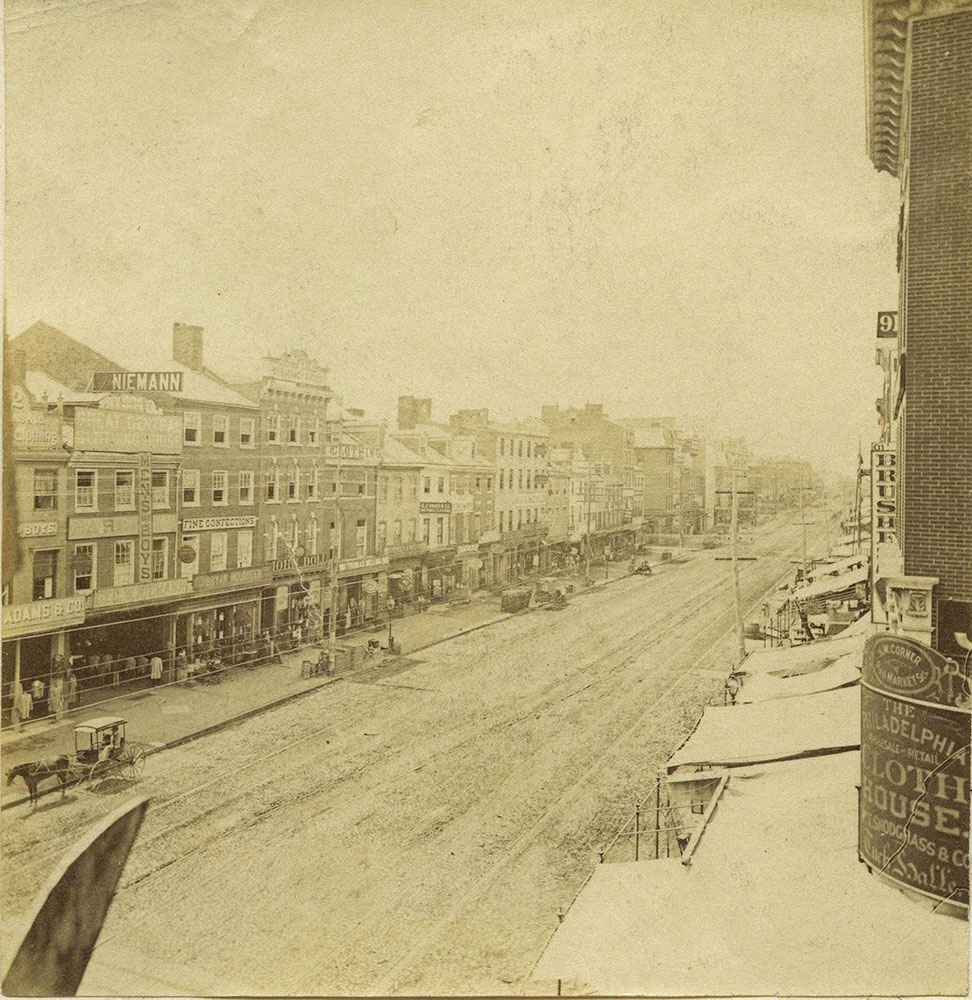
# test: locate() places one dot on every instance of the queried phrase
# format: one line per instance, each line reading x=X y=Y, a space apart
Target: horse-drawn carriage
x=101 y=751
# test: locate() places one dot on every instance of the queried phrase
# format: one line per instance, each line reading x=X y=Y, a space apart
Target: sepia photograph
x=487 y=498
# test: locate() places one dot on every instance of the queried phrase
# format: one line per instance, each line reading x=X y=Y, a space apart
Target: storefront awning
x=831 y=585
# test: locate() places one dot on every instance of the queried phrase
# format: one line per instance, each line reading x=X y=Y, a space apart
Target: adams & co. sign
x=914 y=797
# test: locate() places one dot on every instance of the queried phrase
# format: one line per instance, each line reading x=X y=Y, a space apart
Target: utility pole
x=803 y=522
x=336 y=553
x=733 y=529
x=587 y=537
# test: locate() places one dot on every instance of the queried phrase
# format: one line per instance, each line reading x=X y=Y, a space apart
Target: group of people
x=39 y=697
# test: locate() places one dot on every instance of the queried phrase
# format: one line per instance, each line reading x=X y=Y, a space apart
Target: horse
x=40 y=770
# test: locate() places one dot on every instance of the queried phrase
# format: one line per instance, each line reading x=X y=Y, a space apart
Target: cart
x=101 y=750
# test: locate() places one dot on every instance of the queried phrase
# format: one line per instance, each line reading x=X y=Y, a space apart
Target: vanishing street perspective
x=486 y=498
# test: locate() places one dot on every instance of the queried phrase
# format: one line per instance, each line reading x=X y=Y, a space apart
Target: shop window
x=160 y=489
x=246 y=488
x=190 y=487
x=160 y=552
x=246 y=432
x=217 y=551
x=361 y=539
x=191 y=428
x=124 y=489
x=220 y=492
x=84 y=567
x=124 y=563
x=244 y=549
x=45 y=576
x=45 y=489
x=85 y=489
x=190 y=542
x=273 y=428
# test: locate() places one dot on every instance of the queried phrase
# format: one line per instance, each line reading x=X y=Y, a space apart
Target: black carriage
x=101 y=749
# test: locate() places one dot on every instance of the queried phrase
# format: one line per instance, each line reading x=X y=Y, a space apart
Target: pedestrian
x=141 y=666
x=16 y=703
x=72 y=688
x=296 y=635
x=181 y=663
x=56 y=696
x=155 y=665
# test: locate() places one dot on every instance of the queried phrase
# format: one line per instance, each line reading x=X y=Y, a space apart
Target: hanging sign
x=143 y=477
x=887 y=325
x=885 y=553
x=914 y=797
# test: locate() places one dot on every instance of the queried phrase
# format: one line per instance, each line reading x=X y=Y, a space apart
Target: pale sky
x=664 y=206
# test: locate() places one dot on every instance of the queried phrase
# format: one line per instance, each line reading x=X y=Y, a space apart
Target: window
x=124 y=563
x=528 y=448
x=502 y=442
x=220 y=430
x=85 y=489
x=479 y=483
x=519 y=479
x=439 y=530
x=293 y=431
x=45 y=576
x=294 y=536
x=246 y=488
x=382 y=487
x=528 y=478
x=160 y=550
x=489 y=484
x=217 y=551
x=519 y=519
x=190 y=487
x=314 y=431
x=45 y=489
x=412 y=527
x=511 y=520
x=124 y=489
x=426 y=524
x=396 y=538
x=273 y=485
x=332 y=540
x=502 y=484
x=160 y=489
x=520 y=449
x=380 y=537
x=398 y=488
x=220 y=491
x=312 y=481
x=244 y=549
x=361 y=539
x=293 y=485
x=192 y=567
x=191 y=428
x=441 y=484
x=274 y=538
x=415 y=488
x=84 y=567
x=246 y=432
x=426 y=485
x=313 y=530
x=273 y=428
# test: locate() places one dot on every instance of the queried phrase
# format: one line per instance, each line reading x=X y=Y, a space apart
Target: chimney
x=187 y=346
x=17 y=362
x=412 y=411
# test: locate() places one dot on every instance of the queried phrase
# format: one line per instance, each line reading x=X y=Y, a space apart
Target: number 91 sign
x=887 y=325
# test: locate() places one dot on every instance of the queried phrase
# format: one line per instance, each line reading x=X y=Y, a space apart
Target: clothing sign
x=914 y=798
x=144 y=477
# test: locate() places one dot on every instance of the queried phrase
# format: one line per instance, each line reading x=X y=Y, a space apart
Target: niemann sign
x=136 y=382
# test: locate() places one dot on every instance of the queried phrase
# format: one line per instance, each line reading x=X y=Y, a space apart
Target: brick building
x=919 y=66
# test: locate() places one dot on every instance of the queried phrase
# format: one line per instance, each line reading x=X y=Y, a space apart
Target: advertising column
x=914 y=796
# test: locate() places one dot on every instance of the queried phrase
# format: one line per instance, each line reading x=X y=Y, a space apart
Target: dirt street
x=413 y=829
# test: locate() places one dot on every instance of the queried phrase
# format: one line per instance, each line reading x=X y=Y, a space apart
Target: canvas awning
x=831 y=585
x=734 y=735
x=774 y=903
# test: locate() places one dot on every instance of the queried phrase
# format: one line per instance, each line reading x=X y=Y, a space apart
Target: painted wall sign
x=435 y=507
x=118 y=526
x=41 y=616
x=294 y=564
x=914 y=799
x=38 y=432
x=140 y=593
x=217 y=523
x=362 y=563
x=37 y=529
x=136 y=382
x=127 y=431
x=885 y=553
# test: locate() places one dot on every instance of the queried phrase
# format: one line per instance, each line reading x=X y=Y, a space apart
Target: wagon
x=101 y=750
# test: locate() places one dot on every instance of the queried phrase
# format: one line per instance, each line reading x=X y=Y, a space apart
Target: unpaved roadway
x=414 y=829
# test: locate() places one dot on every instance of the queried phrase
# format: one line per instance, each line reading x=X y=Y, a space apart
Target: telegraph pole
x=733 y=529
x=803 y=522
x=336 y=554
x=587 y=539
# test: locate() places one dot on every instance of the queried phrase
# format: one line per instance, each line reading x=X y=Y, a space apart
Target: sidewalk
x=167 y=714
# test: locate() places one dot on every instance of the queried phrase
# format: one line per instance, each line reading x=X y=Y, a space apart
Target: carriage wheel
x=100 y=770
x=132 y=761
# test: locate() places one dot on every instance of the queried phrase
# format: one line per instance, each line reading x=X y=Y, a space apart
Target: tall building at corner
x=919 y=64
